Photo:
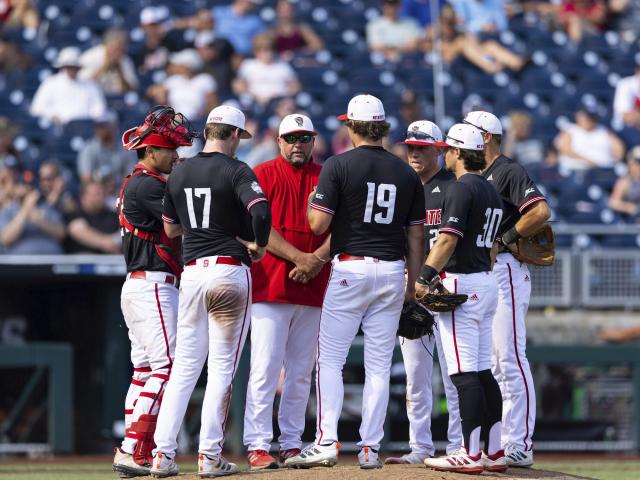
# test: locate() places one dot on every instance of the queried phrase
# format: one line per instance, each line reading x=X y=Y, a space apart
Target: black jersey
x=142 y=207
x=473 y=211
x=210 y=196
x=434 y=193
x=515 y=188
x=373 y=196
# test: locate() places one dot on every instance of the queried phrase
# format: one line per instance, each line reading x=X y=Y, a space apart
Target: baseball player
x=374 y=204
x=215 y=201
x=525 y=210
x=149 y=294
x=471 y=217
x=424 y=146
x=288 y=285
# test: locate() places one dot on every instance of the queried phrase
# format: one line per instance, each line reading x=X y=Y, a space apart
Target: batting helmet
x=162 y=127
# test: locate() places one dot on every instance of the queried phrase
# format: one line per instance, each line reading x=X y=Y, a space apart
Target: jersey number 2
x=198 y=192
x=386 y=199
x=490 y=228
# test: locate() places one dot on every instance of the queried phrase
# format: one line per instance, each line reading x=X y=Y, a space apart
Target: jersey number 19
x=490 y=228
x=385 y=199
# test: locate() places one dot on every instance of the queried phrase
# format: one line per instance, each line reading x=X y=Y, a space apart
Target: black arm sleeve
x=261 y=222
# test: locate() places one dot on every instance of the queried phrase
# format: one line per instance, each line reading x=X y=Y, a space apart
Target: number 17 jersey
x=372 y=195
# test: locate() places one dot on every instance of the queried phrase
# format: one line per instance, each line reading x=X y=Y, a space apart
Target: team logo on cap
x=255 y=186
x=299 y=121
x=415 y=128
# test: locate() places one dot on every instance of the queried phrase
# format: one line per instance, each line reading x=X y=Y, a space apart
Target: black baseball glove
x=415 y=321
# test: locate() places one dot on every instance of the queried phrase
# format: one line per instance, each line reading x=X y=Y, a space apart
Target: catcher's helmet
x=162 y=127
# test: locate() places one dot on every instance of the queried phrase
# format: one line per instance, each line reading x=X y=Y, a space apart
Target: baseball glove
x=415 y=321
x=536 y=249
x=441 y=299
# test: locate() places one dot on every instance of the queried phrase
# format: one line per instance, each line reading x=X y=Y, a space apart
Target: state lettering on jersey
x=434 y=217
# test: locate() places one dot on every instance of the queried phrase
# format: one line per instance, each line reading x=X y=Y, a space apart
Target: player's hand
x=255 y=251
x=297 y=276
x=419 y=290
x=309 y=265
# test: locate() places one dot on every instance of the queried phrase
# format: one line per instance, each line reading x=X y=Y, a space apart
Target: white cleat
x=125 y=466
x=209 y=467
x=494 y=463
x=517 y=457
x=407 y=459
x=315 y=456
x=368 y=459
x=163 y=466
x=459 y=461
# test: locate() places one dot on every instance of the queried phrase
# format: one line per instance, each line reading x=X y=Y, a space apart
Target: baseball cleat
x=459 y=461
x=368 y=459
x=407 y=459
x=284 y=454
x=163 y=466
x=518 y=458
x=494 y=463
x=125 y=466
x=260 y=459
x=209 y=467
x=315 y=456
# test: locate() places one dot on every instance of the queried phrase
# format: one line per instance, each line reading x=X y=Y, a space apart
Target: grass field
x=603 y=469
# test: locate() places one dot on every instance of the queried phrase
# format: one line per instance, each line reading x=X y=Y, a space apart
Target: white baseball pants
x=510 y=364
x=361 y=293
x=150 y=309
x=466 y=331
x=213 y=320
x=418 y=364
x=281 y=335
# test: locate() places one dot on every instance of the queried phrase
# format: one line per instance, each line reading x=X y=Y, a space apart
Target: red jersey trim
x=418 y=222
x=168 y=219
x=452 y=230
x=529 y=202
x=253 y=202
x=321 y=208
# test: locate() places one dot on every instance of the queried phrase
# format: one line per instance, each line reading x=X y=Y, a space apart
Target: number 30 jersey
x=373 y=195
x=210 y=196
x=472 y=211
x=434 y=192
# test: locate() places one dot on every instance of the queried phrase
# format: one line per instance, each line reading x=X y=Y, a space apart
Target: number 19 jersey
x=373 y=195
x=472 y=211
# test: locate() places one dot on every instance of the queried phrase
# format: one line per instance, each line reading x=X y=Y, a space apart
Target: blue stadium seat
x=619 y=241
x=605 y=178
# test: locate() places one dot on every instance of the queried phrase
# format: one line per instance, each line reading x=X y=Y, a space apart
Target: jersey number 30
x=386 y=199
x=490 y=228
x=198 y=192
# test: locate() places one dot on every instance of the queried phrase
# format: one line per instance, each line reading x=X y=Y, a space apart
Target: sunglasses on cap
x=420 y=136
x=292 y=138
x=483 y=130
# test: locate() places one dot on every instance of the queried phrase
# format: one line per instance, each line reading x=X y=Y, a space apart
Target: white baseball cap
x=229 y=116
x=68 y=57
x=296 y=123
x=188 y=57
x=465 y=136
x=424 y=133
x=366 y=108
x=485 y=121
x=150 y=15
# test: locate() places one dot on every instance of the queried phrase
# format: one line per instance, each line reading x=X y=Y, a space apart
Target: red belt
x=143 y=276
x=219 y=260
x=343 y=257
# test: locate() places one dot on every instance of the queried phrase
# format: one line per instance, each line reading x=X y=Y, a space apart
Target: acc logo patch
x=255 y=186
x=453 y=219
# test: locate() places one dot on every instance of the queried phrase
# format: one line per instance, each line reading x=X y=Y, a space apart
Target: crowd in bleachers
x=563 y=75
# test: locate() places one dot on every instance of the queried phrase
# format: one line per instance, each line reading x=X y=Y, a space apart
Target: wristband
x=427 y=275
x=510 y=236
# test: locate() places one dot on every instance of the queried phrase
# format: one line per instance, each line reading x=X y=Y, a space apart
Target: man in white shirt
x=391 y=35
x=63 y=97
x=626 y=103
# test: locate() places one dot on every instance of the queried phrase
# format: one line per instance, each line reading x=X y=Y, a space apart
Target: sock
x=492 y=424
x=472 y=406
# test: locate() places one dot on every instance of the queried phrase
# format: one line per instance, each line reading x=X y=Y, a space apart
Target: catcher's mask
x=162 y=127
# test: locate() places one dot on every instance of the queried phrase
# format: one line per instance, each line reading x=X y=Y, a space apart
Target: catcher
x=149 y=294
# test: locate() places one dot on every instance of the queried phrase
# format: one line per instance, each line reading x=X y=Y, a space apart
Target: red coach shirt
x=287 y=189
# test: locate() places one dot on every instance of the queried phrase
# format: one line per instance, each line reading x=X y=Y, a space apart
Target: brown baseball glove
x=537 y=249
x=441 y=299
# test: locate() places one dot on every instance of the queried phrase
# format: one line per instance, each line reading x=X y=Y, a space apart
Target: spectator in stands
x=420 y=10
x=518 y=143
x=580 y=17
x=102 y=156
x=63 y=97
x=480 y=17
x=109 y=65
x=154 y=54
x=11 y=58
x=290 y=35
x=625 y=18
x=625 y=197
x=95 y=228
x=9 y=156
x=265 y=77
x=186 y=89
x=23 y=14
x=626 y=107
x=217 y=56
x=391 y=35
x=53 y=188
x=28 y=225
x=238 y=24
x=341 y=140
x=587 y=144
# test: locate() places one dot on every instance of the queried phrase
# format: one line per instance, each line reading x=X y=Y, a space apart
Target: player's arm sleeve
x=417 y=210
x=149 y=196
x=169 y=212
x=457 y=202
x=328 y=189
x=250 y=193
x=522 y=191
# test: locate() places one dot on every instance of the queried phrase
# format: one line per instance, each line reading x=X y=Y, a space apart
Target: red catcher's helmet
x=162 y=127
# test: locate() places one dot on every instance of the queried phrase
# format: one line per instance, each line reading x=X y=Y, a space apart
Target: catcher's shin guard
x=145 y=427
